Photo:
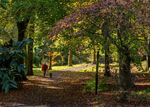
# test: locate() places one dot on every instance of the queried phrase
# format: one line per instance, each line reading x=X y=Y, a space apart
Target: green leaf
x=5 y=86
x=21 y=68
x=3 y=3
x=13 y=83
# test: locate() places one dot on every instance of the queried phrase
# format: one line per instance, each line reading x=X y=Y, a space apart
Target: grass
x=101 y=67
x=113 y=66
x=90 y=86
x=38 y=71
x=88 y=69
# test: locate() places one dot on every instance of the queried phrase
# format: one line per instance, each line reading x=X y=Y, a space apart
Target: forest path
x=66 y=90
x=61 y=91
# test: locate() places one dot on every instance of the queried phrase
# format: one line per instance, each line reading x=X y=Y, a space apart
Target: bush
x=90 y=86
x=10 y=67
x=140 y=96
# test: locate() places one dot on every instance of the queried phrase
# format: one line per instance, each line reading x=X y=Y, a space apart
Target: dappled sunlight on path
x=63 y=90
x=42 y=91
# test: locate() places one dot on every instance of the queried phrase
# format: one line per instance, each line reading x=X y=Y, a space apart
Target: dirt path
x=64 y=90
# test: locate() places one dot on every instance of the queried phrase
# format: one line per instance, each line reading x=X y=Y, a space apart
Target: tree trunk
x=30 y=49
x=22 y=25
x=30 y=59
x=148 y=56
x=62 y=59
x=107 y=67
x=125 y=77
x=94 y=56
x=50 y=60
x=96 y=75
x=105 y=32
x=70 y=58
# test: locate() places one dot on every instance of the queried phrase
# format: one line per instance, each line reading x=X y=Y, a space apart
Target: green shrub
x=10 y=67
x=143 y=92
x=141 y=95
x=90 y=86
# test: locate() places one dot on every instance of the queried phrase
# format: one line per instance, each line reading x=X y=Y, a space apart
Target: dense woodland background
x=113 y=36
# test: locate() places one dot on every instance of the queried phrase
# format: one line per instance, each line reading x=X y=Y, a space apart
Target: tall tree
x=30 y=49
x=106 y=34
x=22 y=25
x=96 y=74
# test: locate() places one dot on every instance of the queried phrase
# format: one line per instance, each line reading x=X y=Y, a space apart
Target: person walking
x=44 y=69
